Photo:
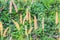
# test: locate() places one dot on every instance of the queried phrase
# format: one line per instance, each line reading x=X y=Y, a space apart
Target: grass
x=29 y=22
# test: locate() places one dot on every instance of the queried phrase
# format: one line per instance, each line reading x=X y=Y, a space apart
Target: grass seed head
x=5 y=32
x=43 y=23
x=31 y=28
x=21 y=19
x=35 y=23
x=26 y=31
x=10 y=7
x=15 y=6
x=56 y=19
x=29 y=18
x=25 y=0
x=1 y=28
x=27 y=14
x=16 y=24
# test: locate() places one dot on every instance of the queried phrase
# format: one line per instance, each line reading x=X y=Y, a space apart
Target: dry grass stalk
x=26 y=31
x=56 y=20
x=5 y=32
x=29 y=19
x=35 y=23
x=16 y=24
x=43 y=23
x=10 y=7
x=24 y=20
x=27 y=14
x=16 y=9
x=21 y=19
x=1 y=28
x=31 y=28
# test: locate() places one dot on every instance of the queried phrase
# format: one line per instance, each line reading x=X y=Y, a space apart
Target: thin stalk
x=56 y=20
x=15 y=6
x=30 y=19
x=43 y=26
x=10 y=7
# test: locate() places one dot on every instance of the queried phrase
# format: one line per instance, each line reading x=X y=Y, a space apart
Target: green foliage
x=40 y=8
